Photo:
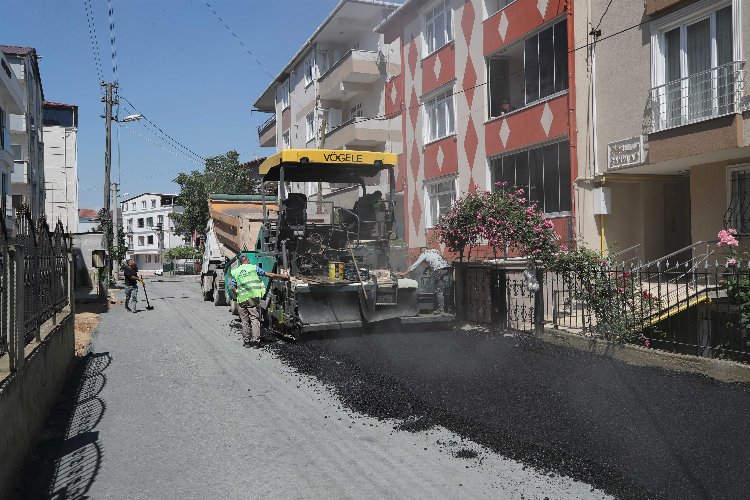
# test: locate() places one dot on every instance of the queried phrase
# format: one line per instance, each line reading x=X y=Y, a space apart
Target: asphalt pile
x=630 y=431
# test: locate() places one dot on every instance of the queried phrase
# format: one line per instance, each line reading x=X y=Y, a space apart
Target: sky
x=176 y=63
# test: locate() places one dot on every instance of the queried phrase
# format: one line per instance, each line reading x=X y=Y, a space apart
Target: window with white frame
x=285 y=139
x=149 y=221
x=439 y=117
x=132 y=206
x=130 y=242
x=140 y=222
x=440 y=195
x=322 y=61
x=150 y=239
x=284 y=95
x=309 y=65
x=160 y=219
x=695 y=72
x=739 y=199
x=493 y=6
x=140 y=241
x=153 y=203
x=356 y=111
x=124 y=207
x=438 y=26
x=310 y=126
x=143 y=204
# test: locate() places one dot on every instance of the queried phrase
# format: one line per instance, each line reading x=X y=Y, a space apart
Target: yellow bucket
x=336 y=271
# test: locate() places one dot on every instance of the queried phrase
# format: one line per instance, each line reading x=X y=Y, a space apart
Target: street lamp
x=129 y=118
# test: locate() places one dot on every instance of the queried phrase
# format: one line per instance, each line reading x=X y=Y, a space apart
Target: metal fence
x=35 y=260
x=678 y=307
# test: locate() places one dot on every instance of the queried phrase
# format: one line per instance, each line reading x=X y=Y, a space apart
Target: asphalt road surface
x=170 y=405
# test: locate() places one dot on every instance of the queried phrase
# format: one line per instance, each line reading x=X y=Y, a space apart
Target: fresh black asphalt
x=634 y=432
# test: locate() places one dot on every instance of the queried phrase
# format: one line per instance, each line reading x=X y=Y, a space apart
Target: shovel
x=149 y=307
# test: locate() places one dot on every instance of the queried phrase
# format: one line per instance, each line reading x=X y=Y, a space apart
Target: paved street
x=170 y=405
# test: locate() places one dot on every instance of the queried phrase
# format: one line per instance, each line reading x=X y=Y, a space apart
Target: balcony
x=702 y=96
x=350 y=76
x=267 y=133
x=360 y=133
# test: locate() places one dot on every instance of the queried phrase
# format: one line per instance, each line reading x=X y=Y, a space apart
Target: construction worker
x=442 y=274
x=131 y=285
x=249 y=289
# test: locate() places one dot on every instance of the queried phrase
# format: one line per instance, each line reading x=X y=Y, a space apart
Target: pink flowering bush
x=503 y=219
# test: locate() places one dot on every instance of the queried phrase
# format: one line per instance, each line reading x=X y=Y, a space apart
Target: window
x=438 y=26
x=528 y=71
x=149 y=221
x=2 y=129
x=284 y=99
x=356 y=111
x=15 y=150
x=140 y=241
x=322 y=60
x=543 y=173
x=695 y=76
x=124 y=207
x=150 y=239
x=739 y=200
x=309 y=64
x=441 y=195
x=143 y=204
x=494 y=6
x=285 y=139
x=156 y=259
x=153 y=203
x=130 y=242
x=439 y=120
x=140 y=222
x=130 y=224
x=132 y=206
x=310 y=126
x=160 y=219
x=148 y=258
x=58 y=117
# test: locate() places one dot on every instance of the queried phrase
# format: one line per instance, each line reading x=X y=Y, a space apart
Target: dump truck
x=234 y=223
x=335 y=248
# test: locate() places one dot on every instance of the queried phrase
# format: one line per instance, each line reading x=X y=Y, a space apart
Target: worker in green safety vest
x=249 y=289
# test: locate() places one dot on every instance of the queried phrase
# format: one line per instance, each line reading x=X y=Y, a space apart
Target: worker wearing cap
x=249 y=289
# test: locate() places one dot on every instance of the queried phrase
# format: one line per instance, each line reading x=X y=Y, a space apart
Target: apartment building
x=149 y=231
x=11 y=103
x=26 y=131
x=664 y=140
x=61 y=164
x=483 y=97
x=330 y=94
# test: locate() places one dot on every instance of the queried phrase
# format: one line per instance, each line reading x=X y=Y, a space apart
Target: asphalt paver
x=168 y=404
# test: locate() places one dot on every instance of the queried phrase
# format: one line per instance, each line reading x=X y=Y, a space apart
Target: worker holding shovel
x=131 y=284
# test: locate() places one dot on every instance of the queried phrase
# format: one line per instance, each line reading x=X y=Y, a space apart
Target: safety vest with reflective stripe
x=249 y=284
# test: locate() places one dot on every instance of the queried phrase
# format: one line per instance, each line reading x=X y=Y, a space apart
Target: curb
x=718 y=369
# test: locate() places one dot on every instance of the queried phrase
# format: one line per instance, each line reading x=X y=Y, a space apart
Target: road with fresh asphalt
x=168 y=404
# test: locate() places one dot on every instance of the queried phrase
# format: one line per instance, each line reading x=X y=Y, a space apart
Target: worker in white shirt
x=442 y=273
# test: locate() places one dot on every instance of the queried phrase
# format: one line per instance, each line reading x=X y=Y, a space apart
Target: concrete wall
x=27 y=395
x=61 y=176
x=83 y=245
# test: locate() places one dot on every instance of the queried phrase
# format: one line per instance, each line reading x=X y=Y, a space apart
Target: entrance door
x=676 y=217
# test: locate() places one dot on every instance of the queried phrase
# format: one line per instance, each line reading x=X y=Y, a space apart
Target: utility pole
x=109 y=100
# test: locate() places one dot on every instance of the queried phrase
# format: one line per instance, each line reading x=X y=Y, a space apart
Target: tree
x=222 y=174
x=183 y=252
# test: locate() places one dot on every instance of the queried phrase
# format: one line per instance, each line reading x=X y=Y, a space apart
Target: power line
x=172 y=151
x=94 y=40
x=176 y=142
x=112 y=42
x=602 y=18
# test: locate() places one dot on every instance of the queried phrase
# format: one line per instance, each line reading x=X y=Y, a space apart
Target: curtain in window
x=700 y=96
x=724 y=55
x=670 y=99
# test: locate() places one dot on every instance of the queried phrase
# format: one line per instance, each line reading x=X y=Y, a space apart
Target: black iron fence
x=701 y=310
x=34 y=267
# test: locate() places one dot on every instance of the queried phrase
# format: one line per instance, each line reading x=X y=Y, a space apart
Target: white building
x=149 y=231
x=11 y=102
x=26 y=132
x=61 y=164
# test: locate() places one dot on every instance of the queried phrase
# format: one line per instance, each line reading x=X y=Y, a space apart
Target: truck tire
x=219 y=295
x=208 y=293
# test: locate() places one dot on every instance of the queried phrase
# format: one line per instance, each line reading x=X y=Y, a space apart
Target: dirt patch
x=86 y=321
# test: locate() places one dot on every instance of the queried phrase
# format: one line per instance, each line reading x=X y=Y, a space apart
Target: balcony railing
x=701 y=96
x=266 y=124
